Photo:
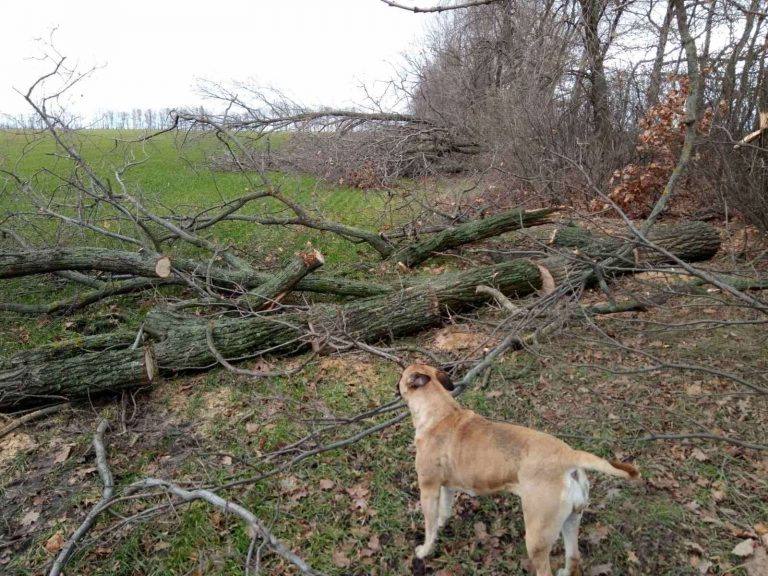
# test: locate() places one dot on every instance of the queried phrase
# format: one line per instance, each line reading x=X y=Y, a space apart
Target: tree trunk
x=29 y=262
x=472 y=231
x=73 y=370
x=283 y=281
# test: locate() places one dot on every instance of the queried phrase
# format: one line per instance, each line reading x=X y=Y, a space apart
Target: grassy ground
x=355 y=510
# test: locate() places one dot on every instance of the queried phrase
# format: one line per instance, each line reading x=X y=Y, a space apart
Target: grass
x=360 y=504
x=193 y=424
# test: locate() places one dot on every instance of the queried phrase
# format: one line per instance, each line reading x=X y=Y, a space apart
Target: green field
x=355 y=510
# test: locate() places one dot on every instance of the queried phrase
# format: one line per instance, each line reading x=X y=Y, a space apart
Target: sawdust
x=451 y=339
x=14 y=444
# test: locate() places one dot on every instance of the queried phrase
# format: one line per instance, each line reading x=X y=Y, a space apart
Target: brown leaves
x=359 y=494
x=757 y=565
x=451 y=339
x=597 y=533
x=340 y=559
x=601 y=570
x=62 y=454
x=54 y=543
x=744 y=548
x=29 y=518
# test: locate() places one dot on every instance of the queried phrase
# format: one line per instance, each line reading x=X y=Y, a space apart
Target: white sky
x=154 y=52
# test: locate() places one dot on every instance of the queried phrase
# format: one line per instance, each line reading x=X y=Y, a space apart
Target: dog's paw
x=423 y=551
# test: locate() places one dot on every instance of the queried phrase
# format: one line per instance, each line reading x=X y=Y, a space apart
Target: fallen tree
x=148 y=270
x=181 y=343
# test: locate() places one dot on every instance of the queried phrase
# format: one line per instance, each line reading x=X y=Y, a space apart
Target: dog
x=458 y=450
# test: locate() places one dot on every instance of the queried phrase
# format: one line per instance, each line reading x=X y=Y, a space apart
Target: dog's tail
x=591 y=462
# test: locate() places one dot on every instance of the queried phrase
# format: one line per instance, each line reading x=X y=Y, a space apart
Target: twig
x=31 y=416
x=503 y=301
x=419 y=10
x=101 y=505
x=229 y=507
x=702 y=436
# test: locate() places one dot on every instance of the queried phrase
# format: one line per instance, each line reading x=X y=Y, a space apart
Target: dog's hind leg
x=570 y=532
x=544 y=513
x=446 y=505
x=576 y=498
x=430 y=504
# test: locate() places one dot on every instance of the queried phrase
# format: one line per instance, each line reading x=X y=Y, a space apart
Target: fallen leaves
x=757 y=565
x=744 y=548
x=451 y=339
x=15 y=444
x=29 y=518
x=601 y=570
x=340 y=559
x=54 y=543
x=63 y=453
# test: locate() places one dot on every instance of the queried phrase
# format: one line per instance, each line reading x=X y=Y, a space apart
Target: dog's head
x=422 y=377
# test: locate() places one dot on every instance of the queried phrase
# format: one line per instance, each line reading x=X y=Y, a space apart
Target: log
x=66 y=371
x=181 y=343
x=691 y=241
x=30 y=262
x=472 y=231
x=78 y=368
x=283 y=281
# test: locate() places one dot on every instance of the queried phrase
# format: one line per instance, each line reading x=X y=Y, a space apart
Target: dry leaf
x=699 y=455
x=30 y=518
x=373 y=543
x=326 y=484
x=601 y=570
x=251 y=427
x=693 y=390
x=481 y=532
x=340 y=559
x=744 y=548
x=451 y=339
x=54 y=543
x=597 y=533
x=758 y=564
x=63 y=454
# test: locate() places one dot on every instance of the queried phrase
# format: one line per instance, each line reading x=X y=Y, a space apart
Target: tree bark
x=468 y=232
x=83 y=367
x=283 y=281
x=29 y=262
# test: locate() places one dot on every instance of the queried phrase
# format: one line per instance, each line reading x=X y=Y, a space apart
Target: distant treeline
x=136 y=119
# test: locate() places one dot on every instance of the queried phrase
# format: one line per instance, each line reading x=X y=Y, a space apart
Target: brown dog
x=457 y=449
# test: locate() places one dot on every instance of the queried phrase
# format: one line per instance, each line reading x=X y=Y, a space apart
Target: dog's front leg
x=446 y=505
x=430 y=504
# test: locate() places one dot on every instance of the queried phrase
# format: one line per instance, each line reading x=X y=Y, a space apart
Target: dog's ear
x=417 y=380
x=445 y=380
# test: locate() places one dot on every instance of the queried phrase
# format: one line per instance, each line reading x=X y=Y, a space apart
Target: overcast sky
x=153 y=53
